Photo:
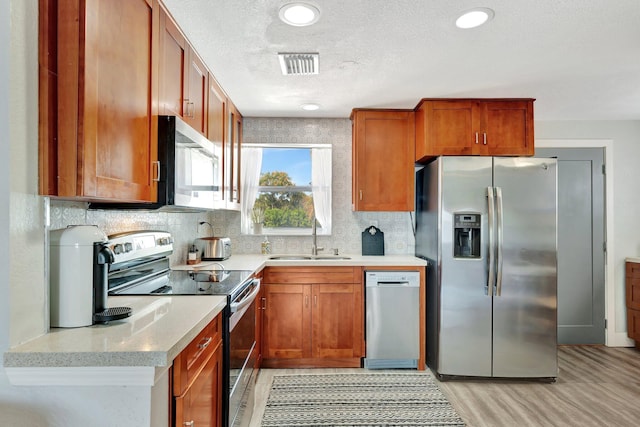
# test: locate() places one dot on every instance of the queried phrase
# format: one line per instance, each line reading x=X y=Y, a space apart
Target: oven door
x=242 y=355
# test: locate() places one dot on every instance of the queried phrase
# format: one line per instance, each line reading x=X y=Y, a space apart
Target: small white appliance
x=79 y=258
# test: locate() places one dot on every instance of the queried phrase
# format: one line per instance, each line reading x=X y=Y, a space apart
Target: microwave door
x=197 y=177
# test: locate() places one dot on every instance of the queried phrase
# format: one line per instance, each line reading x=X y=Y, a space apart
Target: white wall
x=29 y=314
x=4 y=176
x=22 y=285
x=347 y=225
x=626 y=203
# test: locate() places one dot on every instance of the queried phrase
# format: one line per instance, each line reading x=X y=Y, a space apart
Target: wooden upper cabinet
x=485 y=127
x=232 y=150
x=106 y=100
x=383 y=160
x=217 y=112
x=173 y=67
x=196 y=91
x=216 y=132
x=183 y=76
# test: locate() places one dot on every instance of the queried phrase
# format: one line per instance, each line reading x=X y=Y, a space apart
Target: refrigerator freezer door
x=465 y=306
x=525 y=327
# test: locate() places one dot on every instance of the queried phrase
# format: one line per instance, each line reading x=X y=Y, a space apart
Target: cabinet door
x=508 y=127
x=633 y=325
x=232 y=158
x=216 y=131
x=260 y=307
x=632 y=285
x=107 y=100
x=337 y=320
x=201 y=405
x=383 y=159
x=287 y=321
x=173 y=66
x=196 y=92
x=446 y=128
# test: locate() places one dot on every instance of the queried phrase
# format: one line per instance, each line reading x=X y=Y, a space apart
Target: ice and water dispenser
x=466 y=235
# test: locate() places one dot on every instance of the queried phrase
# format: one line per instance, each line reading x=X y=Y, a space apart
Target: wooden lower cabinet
x=313 y=317
x=197 y=380
x=632 y=283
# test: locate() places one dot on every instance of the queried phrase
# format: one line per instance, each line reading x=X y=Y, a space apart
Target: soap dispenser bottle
x=266 y=246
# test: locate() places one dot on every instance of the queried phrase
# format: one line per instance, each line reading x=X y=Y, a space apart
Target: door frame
x=613 y=337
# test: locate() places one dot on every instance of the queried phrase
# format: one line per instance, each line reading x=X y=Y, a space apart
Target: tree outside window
x=284 y=190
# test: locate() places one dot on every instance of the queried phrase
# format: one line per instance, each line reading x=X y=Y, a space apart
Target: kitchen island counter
x=158 y=329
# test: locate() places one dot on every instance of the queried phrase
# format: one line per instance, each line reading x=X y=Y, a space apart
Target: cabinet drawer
x=313 y=275
x=633 y=324
x=633 y=292
x=193 y=358
x=633 y=269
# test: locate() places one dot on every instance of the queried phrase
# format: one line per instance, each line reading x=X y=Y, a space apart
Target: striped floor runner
x=384 y=398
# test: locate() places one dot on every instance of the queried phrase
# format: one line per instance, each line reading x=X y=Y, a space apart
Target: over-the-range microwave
x=190 y=171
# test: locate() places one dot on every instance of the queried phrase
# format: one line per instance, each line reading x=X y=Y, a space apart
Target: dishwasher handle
x=390 y=284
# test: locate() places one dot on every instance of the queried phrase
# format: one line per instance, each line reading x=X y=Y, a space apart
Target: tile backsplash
x=347 y=225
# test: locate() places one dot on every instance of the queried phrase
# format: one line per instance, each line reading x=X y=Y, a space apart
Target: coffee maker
x=79 y=259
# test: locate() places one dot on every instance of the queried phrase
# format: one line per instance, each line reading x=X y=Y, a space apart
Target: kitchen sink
x=308 y=257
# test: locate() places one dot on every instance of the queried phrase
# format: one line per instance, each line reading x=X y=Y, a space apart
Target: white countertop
x=158 y=329
x=258 y=262
x=632 y=259
x=160 y=326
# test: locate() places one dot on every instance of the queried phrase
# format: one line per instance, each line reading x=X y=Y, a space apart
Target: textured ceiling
x=579 y=58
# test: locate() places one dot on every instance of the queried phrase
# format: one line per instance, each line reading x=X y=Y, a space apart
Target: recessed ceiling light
x=310 y=107
x=299 y=14
x=474 y=17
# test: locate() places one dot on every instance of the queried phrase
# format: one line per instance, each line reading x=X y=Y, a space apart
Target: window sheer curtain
x=321 y=187
x=251 y=165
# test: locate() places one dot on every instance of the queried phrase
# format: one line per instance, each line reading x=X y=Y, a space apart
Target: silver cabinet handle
x=492 y=244
x=185 y=101
x=156 y=171
x=500 y=220
x=205 y=343
x=306 y=300
x=189 y=423
x=485 y=138
x=315 y=300
x=476 y=137
x=360 y=194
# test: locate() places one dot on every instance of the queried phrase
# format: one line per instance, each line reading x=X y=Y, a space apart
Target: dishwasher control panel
x=400 y=278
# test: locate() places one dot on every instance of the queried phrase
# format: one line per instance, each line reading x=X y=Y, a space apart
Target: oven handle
x=237 y=306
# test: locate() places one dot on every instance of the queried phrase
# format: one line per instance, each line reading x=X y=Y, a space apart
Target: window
x=285 y=186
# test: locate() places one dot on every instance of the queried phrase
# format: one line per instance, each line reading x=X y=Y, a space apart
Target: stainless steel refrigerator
x=487 y=226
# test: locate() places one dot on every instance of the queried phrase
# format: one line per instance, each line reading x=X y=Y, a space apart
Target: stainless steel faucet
x=314 y=245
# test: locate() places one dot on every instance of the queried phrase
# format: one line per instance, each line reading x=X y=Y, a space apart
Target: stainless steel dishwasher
x=392 y=300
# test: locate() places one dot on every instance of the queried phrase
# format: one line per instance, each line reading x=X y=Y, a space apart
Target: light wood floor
x=597 y=386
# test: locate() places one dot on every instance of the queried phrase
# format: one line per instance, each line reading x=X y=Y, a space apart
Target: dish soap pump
x=266 y=246
x=192 y=257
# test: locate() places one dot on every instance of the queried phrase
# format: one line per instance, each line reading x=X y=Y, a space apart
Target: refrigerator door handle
x=499 y=218
x=492 y=244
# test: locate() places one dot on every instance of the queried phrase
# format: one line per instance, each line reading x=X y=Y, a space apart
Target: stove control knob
x=118 y=249
x=128 y=247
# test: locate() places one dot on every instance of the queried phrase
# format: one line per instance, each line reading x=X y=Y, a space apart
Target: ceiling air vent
x=298 y=64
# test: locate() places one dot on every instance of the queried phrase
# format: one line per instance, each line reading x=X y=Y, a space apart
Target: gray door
x=581 y=305
x=524 y=302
